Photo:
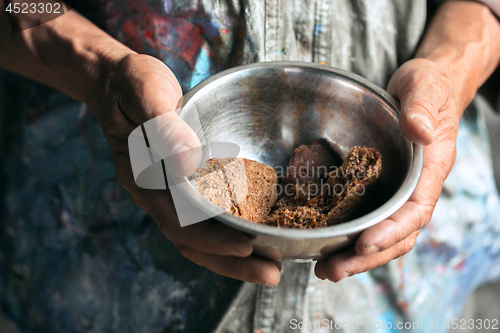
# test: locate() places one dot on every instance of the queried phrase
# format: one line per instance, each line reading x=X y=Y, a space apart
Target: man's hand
x=429 y=116
x=460 y=50
x=124 y=90
x=140 y=88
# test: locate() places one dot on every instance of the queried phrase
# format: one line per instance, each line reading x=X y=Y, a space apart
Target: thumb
x=173 y=140
x=422 y=95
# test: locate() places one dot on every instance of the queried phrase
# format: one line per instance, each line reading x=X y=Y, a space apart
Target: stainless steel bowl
x=268 y=109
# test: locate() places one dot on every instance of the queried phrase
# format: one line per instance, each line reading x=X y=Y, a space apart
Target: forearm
x=464 y=41
x=69 y=54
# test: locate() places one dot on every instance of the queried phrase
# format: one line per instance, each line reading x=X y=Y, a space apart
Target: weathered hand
x=137 y=89
x=429 y=116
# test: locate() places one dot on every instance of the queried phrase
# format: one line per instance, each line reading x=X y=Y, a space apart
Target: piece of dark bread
x=359 y=177
x=309 y=164
x=242 y=187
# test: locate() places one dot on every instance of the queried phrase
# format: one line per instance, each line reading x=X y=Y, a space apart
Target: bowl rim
x=342 y=229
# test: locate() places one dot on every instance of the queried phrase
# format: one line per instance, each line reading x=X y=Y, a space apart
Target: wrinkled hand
x=429 y=116
x=137 y=89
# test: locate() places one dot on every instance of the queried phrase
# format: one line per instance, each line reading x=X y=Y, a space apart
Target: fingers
x=208 y=236
x=417 y=211
x=348 y=263
x=215 y=246
x=392 y=230
x=423 y=94
x=251 y=269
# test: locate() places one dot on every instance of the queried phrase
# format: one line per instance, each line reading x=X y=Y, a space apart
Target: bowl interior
x=270 y=110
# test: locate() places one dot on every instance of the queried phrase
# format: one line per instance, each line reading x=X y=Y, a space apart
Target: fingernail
x=180 y=148
x=267 y=284
x=424 y=121
x=181 y=155
x=371 y=249
x=343 y=277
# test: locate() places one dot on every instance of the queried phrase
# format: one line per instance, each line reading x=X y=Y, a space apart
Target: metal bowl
x=268 y=109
